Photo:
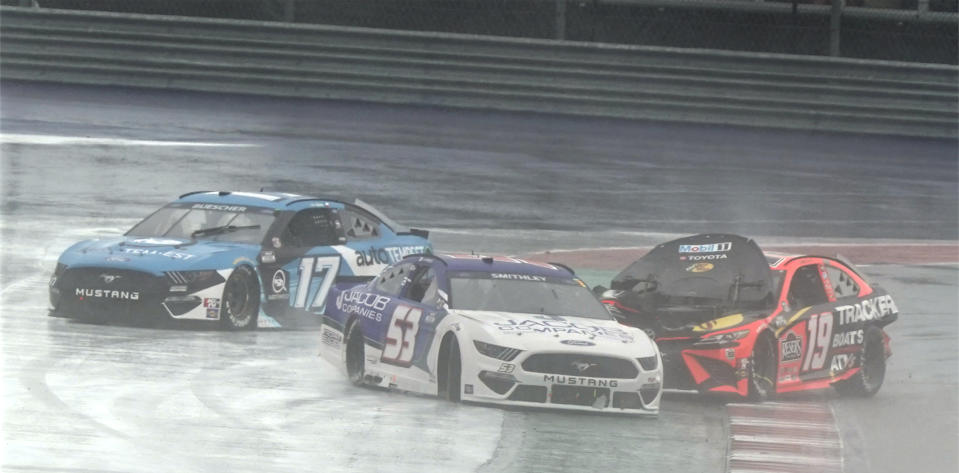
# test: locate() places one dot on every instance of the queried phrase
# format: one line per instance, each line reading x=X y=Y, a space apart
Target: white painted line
x=783 y=437
x=53 y=140
x=799 y=425
x=785 y=440
x=757 y=456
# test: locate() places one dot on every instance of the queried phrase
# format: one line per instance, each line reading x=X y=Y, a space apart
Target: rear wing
x=399 y=229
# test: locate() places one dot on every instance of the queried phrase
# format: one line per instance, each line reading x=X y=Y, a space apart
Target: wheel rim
x=237 y=301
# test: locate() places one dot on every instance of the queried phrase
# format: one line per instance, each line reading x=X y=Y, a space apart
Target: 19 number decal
x=325 y=267
x=819 y=333
x=401 y=336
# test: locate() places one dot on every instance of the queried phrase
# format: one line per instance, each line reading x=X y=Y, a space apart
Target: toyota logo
x=109 y=278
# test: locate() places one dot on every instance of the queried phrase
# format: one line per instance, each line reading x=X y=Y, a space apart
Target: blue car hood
x=158 y=254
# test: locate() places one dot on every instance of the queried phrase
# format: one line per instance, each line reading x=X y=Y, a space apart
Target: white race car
x=491 y=330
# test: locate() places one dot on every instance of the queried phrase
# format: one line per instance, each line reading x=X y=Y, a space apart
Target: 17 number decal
x=326 y=267
x=819 y=333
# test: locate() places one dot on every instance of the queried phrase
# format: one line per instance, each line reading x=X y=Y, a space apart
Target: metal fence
x=479 y=72
x=900 y=30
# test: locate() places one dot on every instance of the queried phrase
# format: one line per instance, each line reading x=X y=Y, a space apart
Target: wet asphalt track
x=104 y=398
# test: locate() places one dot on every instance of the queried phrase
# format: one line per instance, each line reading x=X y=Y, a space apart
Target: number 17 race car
x=493 y=331
x=239 y=259
x=729 y=319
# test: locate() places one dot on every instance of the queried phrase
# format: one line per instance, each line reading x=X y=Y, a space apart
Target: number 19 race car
x=240 y=259
x=729 y=319
x=491 y=330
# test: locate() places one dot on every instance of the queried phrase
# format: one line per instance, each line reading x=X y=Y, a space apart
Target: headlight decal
x=496 y=351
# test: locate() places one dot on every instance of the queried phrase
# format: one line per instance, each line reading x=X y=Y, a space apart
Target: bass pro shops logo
x=791 y=348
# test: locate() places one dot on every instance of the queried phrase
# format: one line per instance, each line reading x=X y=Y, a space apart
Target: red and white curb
x=777 y=437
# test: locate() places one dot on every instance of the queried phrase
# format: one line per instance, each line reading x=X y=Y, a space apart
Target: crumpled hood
x=157 y=254
x=558 y=333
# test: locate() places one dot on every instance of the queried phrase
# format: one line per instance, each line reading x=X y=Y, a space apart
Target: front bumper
x=721 y=369
x=515 y=383
x=101 y=294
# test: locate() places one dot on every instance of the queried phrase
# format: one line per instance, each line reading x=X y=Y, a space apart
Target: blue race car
x=241 y=259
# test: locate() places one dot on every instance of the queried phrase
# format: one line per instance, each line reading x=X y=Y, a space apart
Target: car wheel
x=762 y=368
x=453 y=368
x=872 y=371
x=355 y=354
x=241 y=300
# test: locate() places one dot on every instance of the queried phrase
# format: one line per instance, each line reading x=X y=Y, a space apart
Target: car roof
x=286 y=201
x=503 y=264
x=274 y=200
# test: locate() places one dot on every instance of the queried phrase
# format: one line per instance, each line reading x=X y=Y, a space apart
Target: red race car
x=730 y=319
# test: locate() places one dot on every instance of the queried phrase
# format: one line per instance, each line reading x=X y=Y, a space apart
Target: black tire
x=355 y=358
x=453 y=368
x=241 y=300
x=872 y=371
x=762 y=368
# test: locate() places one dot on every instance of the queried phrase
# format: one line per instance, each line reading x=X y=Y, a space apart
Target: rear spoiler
x=399 y=229
x=424 y=234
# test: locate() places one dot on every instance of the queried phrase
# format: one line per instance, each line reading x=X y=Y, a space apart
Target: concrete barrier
x=633 y=82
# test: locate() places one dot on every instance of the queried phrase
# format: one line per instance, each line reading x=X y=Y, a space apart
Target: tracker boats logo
x=867 y=310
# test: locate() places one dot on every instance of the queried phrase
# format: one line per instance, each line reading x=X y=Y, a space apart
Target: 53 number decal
x=401 y=336
x=323 y=267
x=818 y=333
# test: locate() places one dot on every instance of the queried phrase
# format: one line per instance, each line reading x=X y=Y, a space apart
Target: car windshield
x=696 y=272
x=523 y=293
x=678 y=287
x=193 y=223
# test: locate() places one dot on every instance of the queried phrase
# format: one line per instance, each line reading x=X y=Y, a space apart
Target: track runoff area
x=799 y=433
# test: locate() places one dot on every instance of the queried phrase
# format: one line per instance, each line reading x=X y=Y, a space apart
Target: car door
x=846 y=288
x=303 y=266
x=805 y=340
x=412 y=330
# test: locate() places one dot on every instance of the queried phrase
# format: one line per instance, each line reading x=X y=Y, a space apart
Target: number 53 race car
x=237 y=258
x=730 y=319
x=491 y=330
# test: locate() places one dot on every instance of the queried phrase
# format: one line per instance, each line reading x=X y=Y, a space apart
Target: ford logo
x=577 y=343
